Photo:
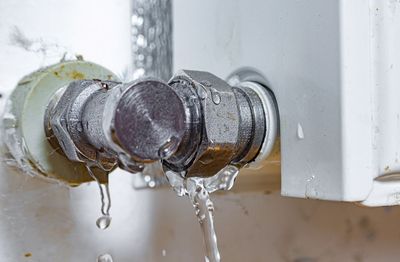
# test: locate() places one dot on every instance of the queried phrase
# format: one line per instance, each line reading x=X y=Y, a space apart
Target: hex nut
x=220 y=118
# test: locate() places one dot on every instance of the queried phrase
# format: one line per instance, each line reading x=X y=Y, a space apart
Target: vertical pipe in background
x=151 y=30
x=151 y=38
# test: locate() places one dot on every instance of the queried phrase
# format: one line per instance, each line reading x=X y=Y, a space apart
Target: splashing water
x=223 y=180
x=199 y=190
x=104 y=221
x=204 y=209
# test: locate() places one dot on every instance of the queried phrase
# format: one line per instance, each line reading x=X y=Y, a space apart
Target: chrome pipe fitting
x=196 y=124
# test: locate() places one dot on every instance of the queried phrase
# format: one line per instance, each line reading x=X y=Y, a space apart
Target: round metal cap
x=149 y=121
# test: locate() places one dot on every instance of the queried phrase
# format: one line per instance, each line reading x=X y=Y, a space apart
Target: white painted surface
x=334 y=68
x=95 y=29
x=295 y=44
x=385 y=76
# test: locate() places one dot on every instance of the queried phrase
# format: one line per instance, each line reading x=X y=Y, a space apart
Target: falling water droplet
x=105 y=258
x=300 y=132
x=152 y=184
x=215 y=96
x=103 y=222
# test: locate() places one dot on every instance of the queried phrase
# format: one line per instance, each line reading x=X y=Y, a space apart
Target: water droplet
x=168 y=148
x=126 y=163
x=202 y=92
x=104 y=85
x=136 y=20
x=103 y=222
x=215 y=96
x=141 y=41
x=164 y=252
x=152 y=184
x=105 y=258
x=311 y=188
x=147 y=178
x=300 y=132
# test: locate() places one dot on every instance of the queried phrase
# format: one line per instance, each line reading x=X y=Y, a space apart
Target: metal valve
x=224 y=124
x=109 y=123
x=197 y=123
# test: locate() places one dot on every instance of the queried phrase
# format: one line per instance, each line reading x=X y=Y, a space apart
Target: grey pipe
x=151 y=36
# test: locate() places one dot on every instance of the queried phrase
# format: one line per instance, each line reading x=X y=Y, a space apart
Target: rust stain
x=367 y=228
x=57 y=74
x=76 y=75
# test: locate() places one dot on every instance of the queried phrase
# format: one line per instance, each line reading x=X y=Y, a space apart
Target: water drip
x=215 y=96
x=198 y=190
x=104 y=221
